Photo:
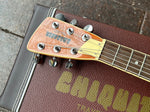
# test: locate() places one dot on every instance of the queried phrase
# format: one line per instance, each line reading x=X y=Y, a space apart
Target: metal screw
x=55 y=25
x=41 y=46
x=57 y=49
x=85 y=37
x=74 y=51
x=70 y=31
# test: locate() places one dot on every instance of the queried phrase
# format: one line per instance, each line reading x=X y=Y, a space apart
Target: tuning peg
x=38 y=59
x=74 y=22
x=88 y=28
x=60 y=16
x=69 y=64
x=53 y=62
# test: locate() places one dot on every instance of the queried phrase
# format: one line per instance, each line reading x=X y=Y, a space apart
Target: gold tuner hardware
x=53 y=62
x=69 y=64
x=38 y=58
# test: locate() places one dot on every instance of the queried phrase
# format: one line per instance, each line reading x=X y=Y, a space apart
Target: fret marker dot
x=136 y=62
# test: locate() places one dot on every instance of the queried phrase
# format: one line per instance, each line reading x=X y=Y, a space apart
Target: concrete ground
x=15 y=15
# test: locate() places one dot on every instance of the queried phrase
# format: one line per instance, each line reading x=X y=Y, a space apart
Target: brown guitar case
x=88 y=86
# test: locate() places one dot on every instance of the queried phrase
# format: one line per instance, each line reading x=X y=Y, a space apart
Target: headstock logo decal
x=58 y=37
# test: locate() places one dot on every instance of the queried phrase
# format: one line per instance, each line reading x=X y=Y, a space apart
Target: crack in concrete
x=142 y=25
x=7 y=31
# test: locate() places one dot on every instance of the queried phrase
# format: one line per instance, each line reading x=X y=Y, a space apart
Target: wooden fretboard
x=126 y=59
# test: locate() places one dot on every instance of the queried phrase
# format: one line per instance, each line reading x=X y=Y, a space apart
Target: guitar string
x=124 y=59
x=84 y=49
x=124 y=52
x=89 y=50
x=120 y=58
x=96 y=53
x=128 y=70
x=129 y=54
x=105 y=56
x=123 y=64
x=108 y=45
x=128 y=57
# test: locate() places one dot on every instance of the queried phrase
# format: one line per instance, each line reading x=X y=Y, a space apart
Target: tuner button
x=85 y=37
x=88 y=28
x=57 y=49
x=53 y=62
x=55 y=25
x=69 y=64
x=70 y=31
x=41 y=46
x=38 y=58
x=60 y=17
x=73 y=22
x=74 y=51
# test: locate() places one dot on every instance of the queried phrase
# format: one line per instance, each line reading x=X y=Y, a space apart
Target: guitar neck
x=126 y=59
x=60 y=39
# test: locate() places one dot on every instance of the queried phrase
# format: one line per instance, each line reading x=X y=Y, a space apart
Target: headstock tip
x=60 y=39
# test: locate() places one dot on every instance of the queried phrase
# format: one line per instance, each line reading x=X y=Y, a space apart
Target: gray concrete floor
x=15 y=15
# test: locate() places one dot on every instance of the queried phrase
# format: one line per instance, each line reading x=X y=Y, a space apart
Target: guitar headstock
x=60 y=39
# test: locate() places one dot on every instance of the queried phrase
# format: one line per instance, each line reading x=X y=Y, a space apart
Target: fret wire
x=140 y=75
x=117 y=57
x=123 y=54
x=116 y=54
x=120 y=54
x=124 y=64
x=132 y=72
x=142 y=65
x=113 y=65
x=110 y=63
x=120 y=66
x=111 y=59
x=129 y=59
x=125 y=60
x=145 y=77
x=91 y=51
x=114 y=51
x=145 y=72
x=127 y=56
x=104 y=51
x=123 y=68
